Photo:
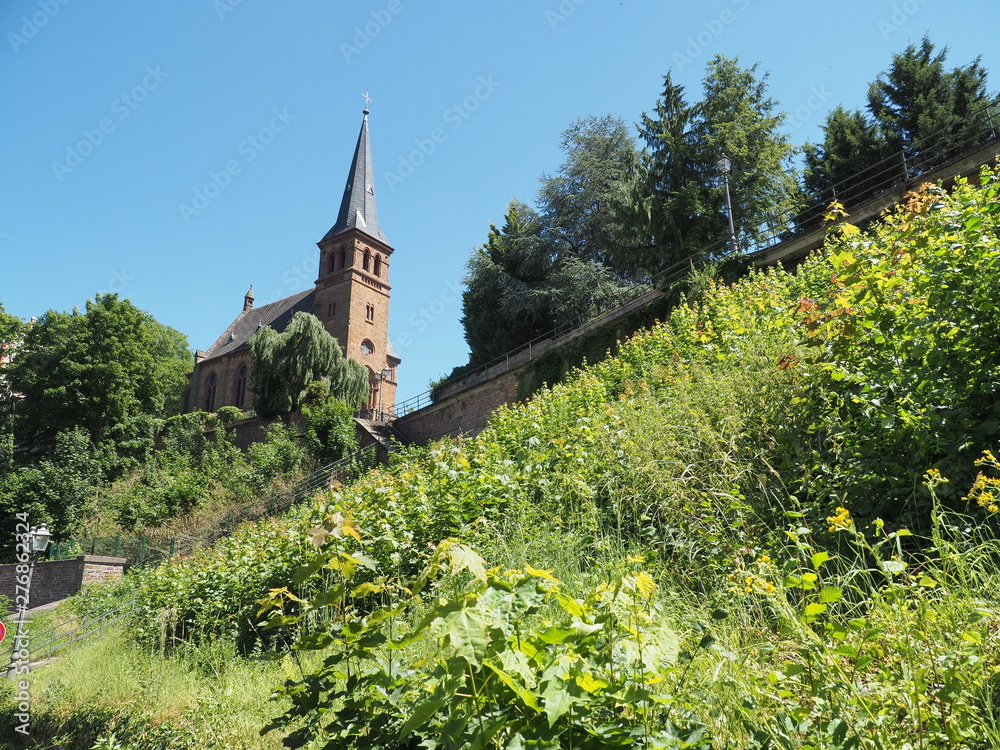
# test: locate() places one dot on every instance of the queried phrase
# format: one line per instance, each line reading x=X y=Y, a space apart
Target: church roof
x=276 y=314
x=357 y=209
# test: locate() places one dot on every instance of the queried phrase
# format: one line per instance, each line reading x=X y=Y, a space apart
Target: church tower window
x=366 y=263
x=343 y=257
x=329 y=263
x=378 y=264
x=367 y=348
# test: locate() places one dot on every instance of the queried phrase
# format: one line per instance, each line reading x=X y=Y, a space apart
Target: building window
x=367 y=348
x=370 y=313
x=331 y=310
x=343 y=257
x=329 y=263
x=241 y=386
x=378 y=265
x=213 y=382
x=366 y=262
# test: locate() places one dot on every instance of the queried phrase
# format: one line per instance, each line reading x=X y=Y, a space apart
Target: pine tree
x=506 y=302
x=841 y=167
x=684 y=189
x=923 y=108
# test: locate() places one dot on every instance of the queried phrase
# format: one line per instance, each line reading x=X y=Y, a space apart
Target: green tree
x=921 y=105
x=286 y=363
x=581 y=205
x=506 y=302
x=330 y=431
x=683 y=196
x=852 y=143
x=105 y=370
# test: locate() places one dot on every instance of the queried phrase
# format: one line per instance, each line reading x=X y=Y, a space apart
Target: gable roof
x=276 y=314
x=357 y=208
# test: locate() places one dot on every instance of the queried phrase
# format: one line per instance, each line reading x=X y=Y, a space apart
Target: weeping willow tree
x=286 y=363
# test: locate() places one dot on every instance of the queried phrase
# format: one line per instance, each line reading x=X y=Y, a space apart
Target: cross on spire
x=368 y=100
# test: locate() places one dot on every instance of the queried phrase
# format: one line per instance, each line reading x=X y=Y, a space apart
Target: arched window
x=378 y=264
x=343 y=257
x=366 y=263
x=213 y=382
x=329 y=263
x=241 y=386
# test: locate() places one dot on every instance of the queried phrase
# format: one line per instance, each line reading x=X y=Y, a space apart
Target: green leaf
x=720 y=614
x=465 y=558
x=421 y=713
x=527 y=697
x=558 y=700
x=819 y=558
x=813 y=610
x=466 y=631
x=831 y=594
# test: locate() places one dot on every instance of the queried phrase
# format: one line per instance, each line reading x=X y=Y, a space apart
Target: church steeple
x=357 y=209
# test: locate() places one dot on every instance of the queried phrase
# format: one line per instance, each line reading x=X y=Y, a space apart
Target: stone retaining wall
x=53 y=580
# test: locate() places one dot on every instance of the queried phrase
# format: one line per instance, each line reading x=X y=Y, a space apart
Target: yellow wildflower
x=840 y=520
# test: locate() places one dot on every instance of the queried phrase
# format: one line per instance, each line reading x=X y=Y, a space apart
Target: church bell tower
x=352 y=288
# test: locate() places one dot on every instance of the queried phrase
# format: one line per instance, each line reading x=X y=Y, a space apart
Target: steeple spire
x=357 y=209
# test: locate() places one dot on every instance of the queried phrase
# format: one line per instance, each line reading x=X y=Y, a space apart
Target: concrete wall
x=53 y=580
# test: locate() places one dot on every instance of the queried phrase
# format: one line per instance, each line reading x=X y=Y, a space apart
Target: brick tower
x=352 y=289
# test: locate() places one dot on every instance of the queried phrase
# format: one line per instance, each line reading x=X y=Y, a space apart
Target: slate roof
x=277 y=315
x=357 y=209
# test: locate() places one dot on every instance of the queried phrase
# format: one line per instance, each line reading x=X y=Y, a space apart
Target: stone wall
x=53 y=580
x=464 y=406
x=461 y=414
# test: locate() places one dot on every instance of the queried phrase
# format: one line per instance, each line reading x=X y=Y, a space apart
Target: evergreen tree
x=286 y=363
x=506 y=302
x=852 y=144
x=670 y=196
x=919 y=105
x=581 y=205
x=684 y=199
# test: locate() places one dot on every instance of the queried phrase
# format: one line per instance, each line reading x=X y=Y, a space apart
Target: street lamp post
x=383 y=376
x=726 y=165
x=36 y=543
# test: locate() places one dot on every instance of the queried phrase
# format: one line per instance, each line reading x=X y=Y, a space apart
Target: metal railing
x=70 y=631
x=895 y=171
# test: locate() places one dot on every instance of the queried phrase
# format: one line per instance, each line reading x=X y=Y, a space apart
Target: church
x=350 y=298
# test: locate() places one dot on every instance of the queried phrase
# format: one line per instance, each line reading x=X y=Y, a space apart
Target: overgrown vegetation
x=768 y=522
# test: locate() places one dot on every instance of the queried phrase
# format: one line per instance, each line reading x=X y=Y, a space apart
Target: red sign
x=3 y=631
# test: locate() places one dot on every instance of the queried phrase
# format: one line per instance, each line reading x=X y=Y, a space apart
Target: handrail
x=69 y=632
x=781 y=227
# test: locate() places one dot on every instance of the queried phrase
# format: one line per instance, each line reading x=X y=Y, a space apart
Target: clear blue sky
x=116 y=113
